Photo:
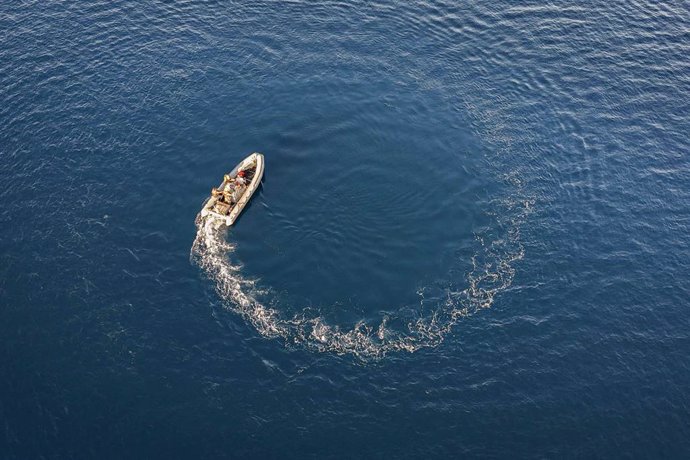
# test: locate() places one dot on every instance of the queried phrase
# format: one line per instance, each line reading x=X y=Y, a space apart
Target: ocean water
x=471 y=239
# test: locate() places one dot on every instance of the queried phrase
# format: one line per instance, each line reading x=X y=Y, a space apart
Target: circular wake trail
x=492 y=273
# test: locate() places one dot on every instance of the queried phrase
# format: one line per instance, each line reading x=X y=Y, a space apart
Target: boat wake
x=439 y=309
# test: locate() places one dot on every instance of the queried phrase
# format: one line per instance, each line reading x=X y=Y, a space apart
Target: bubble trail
x=492 y=273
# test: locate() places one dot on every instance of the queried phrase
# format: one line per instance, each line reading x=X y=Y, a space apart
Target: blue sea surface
x=472 y=237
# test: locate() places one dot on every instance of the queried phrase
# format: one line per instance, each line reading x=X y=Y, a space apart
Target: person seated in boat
x=241 y=178
x=240 y=186
x=223 y=196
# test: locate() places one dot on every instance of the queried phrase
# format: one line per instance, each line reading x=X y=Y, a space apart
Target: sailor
x=241 y=178
x=223 y=196
x=240 y=186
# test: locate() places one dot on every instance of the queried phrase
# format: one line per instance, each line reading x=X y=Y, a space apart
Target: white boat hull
x=210 y=209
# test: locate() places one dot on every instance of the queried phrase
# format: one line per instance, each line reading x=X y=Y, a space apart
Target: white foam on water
x=492 y=272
